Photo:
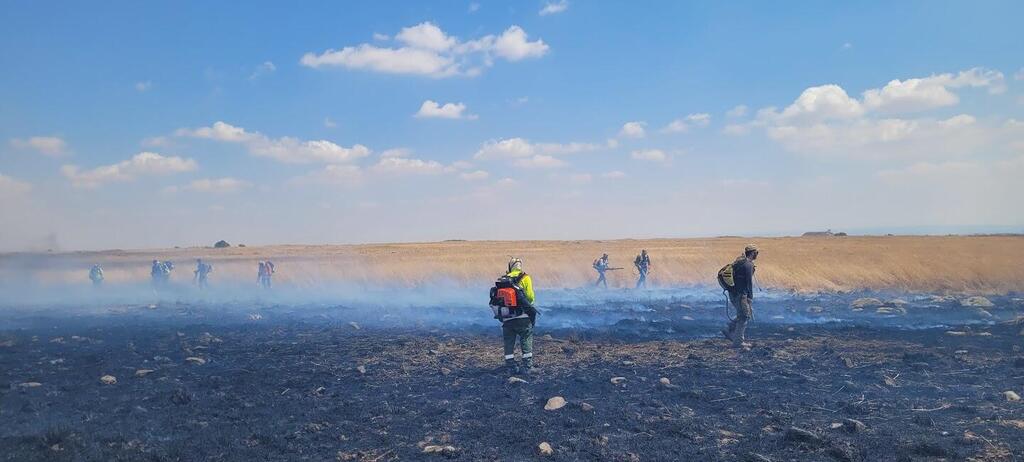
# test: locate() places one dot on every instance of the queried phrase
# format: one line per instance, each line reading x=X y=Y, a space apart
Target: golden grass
x=960 y=264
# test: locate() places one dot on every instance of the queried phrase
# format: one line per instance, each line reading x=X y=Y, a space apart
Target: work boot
x=512 y=366
x=528 y=366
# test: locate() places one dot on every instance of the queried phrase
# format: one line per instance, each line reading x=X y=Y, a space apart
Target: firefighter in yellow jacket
x=517 y=320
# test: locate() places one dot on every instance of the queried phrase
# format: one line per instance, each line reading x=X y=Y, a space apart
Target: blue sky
x=132 y=124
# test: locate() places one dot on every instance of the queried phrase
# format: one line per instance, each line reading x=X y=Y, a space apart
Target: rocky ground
x=185 y=383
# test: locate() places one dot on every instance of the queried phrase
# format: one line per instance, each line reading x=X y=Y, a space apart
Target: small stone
x=586 y=407
x=108 y=380
x=143 y=372
x=30 y=385
x=854 y=425
x=255 y=317
x=361 y=369
x=443 y=450
x=866 y=302
x=628 y=363
x=515 y=380
x=545 y=449
x=354 y=325
x=815 y=309
x=664 y=381
x=445 y=371
x=977 y=302
x=956 y=333
x=835 y=425
x=547 y=337
x=800 y=435
x=555 y=403
x=889 y=381
x=618 y=380
x=1011 y=395
x=196 y=360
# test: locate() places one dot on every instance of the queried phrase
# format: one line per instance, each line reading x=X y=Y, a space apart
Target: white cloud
x=652 y=155
x=213 y=185
x=911 y=95
x=143 y=86
x=513 y=148
x=738 y=111
x=736 y=129
x=477 y=175
x=473 y=7
x=405 y=165
x=633 y=130
x=431 y=109
x=52 y=146
x=381 y=37
x=820 y=103
x=613 y=175
x=333 y=174
x=13 y=187
x=554 y=8
x=263 y=69
x=284 y=149
x=395 y=152
x=156 y=142
x=581 y=178
x=539 y=161
x=328 y=123
x=427 y=50
x=1019 y=75
x=142 y=164
x=683 y=125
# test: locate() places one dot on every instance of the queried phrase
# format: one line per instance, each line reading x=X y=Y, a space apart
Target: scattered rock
x=586 y=407
x=866 y=302
x=889 y=381
x=1011 y=395
x=143 y=372
x=981 y=302
x=664 y=381
x=983 y=313
x=555 y=403
x=361 y=369
x=799 y=435
x=442 y=450
x=815 y=310
x=545 y=449
x=755 y=457
x=30 y=385
x=618 y=380
x=956 y=333
x=547 y=337
x=108 y=380
x=196 y=360
x=255 y=317
x=854 y=425
x=1018 y=424
x=897 y=302
x=835 y=425
x=445 y=371
x=515 y=380
x=628 y=363
x=354 y=325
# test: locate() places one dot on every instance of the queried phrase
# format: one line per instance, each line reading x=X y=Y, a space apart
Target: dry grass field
x=960 y=264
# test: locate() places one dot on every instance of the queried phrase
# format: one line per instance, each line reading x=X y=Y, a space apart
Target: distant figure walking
x=202 y=273
x=601 y=265
x=265 y=274
x=96 y=275
x=738 y=281
x=642 y=263
x=155 y=273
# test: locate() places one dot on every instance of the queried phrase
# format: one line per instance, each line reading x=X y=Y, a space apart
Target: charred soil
x=307 y=390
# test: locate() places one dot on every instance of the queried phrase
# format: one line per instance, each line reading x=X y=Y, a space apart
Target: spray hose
x=727 y=316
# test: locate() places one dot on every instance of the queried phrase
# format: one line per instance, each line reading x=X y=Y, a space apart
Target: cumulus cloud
x=13 y=187
x=633 y=130
x=613 y=175
x=406 y=165
x=52 y=146
x=516 y=148
x=683 y=125
x=554 y=7
x=395 y=152
x=738 y=111
x=425 y=49
x=476 y=175
x=825 y=120
x=332 y=175
x=431 y=109
x=650 y=155
x=284 y=149
x=143 y=86
x=141 y=164
x=212 y=185
x=539 y=161
x=263 y=69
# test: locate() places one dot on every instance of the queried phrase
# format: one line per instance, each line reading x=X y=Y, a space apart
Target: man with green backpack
x=737 y=279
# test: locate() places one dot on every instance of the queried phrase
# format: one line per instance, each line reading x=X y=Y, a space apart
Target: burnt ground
x=320 y=388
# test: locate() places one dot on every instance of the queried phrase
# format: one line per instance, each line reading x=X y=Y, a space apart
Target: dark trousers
x=601 y=280
x=522 y=329
x=642 y=281
x=744 y=313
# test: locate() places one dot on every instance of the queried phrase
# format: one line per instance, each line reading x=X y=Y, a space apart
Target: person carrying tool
x=512 y=301
x=96 y=275
x=601 y=265
x=737 y=279
x=642 y=263
x=201 y=273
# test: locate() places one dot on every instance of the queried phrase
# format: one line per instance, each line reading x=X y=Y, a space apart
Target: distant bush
x=241 y=245
x=221 y=244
